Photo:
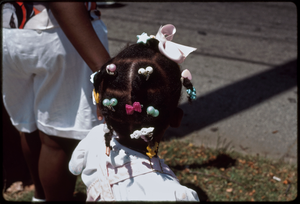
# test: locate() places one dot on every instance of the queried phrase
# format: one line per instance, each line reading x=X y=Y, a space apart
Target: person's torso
x=36 y=15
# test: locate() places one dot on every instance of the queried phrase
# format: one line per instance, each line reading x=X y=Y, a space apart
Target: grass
x=218 y=175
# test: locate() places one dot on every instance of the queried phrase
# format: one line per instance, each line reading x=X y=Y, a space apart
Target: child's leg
x=57 y=181
x=31 y=146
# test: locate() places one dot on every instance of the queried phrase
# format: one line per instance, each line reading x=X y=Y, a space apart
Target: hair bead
x=111 y=68
x=113 y=101
x=106 y=102
x=146 y=72
x=110 y=103
x=152 y=111
x=191 y=93
x=186 y=74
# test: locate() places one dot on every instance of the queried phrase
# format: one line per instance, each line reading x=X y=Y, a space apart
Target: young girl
x=137 y=92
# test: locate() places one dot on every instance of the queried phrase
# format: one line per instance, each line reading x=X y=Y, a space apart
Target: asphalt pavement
x=244 y=69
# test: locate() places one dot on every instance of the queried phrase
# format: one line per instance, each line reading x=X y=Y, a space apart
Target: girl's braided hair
x=162 y=90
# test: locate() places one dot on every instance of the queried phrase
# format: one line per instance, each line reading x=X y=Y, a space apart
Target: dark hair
x=162 y=90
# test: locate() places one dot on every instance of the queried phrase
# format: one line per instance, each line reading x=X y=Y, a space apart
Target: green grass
x=218 y=175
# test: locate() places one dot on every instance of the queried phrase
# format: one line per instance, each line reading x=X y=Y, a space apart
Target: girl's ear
x=176 y=118
x=99 y=114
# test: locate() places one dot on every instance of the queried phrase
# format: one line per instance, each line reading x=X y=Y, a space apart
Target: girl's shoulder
x=96 y=133
x=93 y=140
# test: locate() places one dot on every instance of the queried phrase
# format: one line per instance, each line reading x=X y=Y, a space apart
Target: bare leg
x=31 y=146
x=57 y=181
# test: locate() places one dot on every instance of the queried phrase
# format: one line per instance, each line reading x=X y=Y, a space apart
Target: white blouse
x=125 y=175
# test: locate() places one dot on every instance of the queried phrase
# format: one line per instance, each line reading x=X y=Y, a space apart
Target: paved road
x=244 y=70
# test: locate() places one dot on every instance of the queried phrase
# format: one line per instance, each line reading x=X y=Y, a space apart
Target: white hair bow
x=173 y=51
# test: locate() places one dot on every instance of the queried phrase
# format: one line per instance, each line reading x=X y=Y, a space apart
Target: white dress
x=126 y=175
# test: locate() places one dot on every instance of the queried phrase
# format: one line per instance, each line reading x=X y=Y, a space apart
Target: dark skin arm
x=76 y=24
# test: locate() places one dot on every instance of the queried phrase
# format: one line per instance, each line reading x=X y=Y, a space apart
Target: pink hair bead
x=111 y=68
x=186 y=74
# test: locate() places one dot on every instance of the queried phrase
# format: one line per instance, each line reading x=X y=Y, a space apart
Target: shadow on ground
x=221 y=161
x=234 y=98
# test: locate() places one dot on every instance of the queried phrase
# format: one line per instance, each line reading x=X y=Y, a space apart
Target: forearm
x=76 y=24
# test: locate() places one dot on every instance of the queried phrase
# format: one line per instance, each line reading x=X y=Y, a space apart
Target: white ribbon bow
x=173 y=51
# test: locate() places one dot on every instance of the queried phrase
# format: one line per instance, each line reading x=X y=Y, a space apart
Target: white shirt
x=125 y=175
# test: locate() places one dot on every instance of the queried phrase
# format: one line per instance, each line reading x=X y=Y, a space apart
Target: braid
x=108 y=136
x=187 y=83
x=97 y=80
x=189 y=86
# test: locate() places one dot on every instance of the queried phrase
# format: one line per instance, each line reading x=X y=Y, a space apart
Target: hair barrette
x=96 y=98
x=136 y=106
x=152 y=150
x=92 y=77
x=145 y=133
x=146 y=72
x=143 y=38
x=110 y=103
x=111 y=68
x=152 y=111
